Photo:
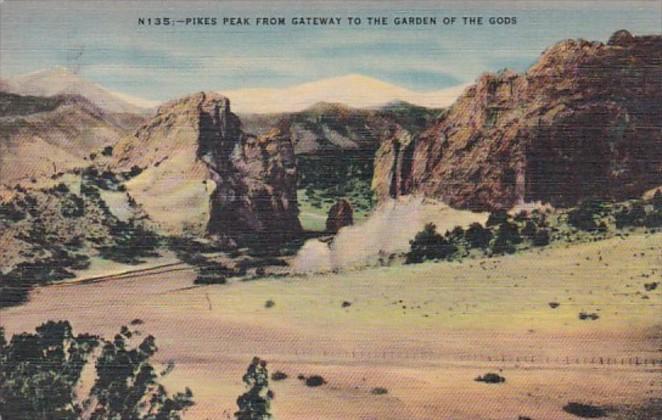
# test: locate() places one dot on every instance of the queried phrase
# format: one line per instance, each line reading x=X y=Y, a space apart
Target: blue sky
x=102 y=41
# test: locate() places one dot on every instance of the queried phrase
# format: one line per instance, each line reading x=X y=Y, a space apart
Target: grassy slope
x=476 y=310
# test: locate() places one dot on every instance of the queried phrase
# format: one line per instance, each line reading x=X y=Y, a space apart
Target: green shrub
x=72 y=206
x=11 y=213
x=541 y=238
x=255 y=404
x=496 y=218
x=429 y=245
x=107 y=151
x=501 y=245
x=477 y=236
x=131 y=243
x=584 y=217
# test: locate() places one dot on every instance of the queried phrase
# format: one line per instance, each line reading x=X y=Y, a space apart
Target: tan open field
x=423 y=332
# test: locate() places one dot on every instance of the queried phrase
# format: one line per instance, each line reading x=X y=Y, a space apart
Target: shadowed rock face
x=202 y=173
x=585 y=120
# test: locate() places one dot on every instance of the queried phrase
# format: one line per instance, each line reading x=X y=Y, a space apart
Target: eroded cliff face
x=202 y=174
x=585 y=120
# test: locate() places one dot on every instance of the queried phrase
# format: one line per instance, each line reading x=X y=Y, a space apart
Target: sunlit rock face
x=202 y=174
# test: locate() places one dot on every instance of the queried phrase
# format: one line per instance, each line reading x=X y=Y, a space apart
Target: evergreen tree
x=255 y=403
x=40 y=372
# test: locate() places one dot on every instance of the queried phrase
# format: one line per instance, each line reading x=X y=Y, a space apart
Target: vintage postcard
x=372 y=210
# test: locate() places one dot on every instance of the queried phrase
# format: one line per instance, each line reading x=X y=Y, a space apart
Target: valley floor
x=423 y=332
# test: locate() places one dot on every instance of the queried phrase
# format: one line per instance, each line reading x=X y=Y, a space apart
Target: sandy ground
x=422 y=332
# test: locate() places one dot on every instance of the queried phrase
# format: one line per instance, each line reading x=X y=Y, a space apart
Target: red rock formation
x=585 y=120
x=340 y=215
x=203 y=173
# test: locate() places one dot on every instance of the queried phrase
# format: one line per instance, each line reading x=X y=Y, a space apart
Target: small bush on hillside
x=60 y=188
x=278 y=376
x=212 y=273
x=11 y=213
x=107 y=151
x=491 y=378
x=529 y=230
x=429 y=245
x=131 y=243
x=496 y=218
x=477 y=236
x=541 y=238
x=314 y=381
x=506 y=239
x=501 y=246
x=72 y=206
x=585 y=216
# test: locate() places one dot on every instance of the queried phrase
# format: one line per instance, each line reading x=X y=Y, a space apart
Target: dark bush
x=11 y=213
x=16 y=284
x=491 y=378
x=584 y=410
x=584 y=216
x=477 y=236
x=501 y=246
x=133 y=172
x=379 y=391
x=633 y=216
x=509 y=232
x=429 y=245
x=107 y=151
x=212 y=273
x=529 y=230
x=496 y=218
x=60 y=188
x=541 y=238
x=132 y=243
x=72 y=206
x=314 y=381
x=588 y=316
x=278 y=376
x=650 y=286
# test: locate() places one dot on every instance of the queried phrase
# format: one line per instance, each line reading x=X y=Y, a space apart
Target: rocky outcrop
x=201 y=173
x=340 y=215
x=585 y=120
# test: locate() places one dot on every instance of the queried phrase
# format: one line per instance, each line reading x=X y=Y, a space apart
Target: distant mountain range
x=354 y=90
x=61 y=81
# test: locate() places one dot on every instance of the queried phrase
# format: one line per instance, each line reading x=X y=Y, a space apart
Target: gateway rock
x=584 y=121
x=203 y=174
